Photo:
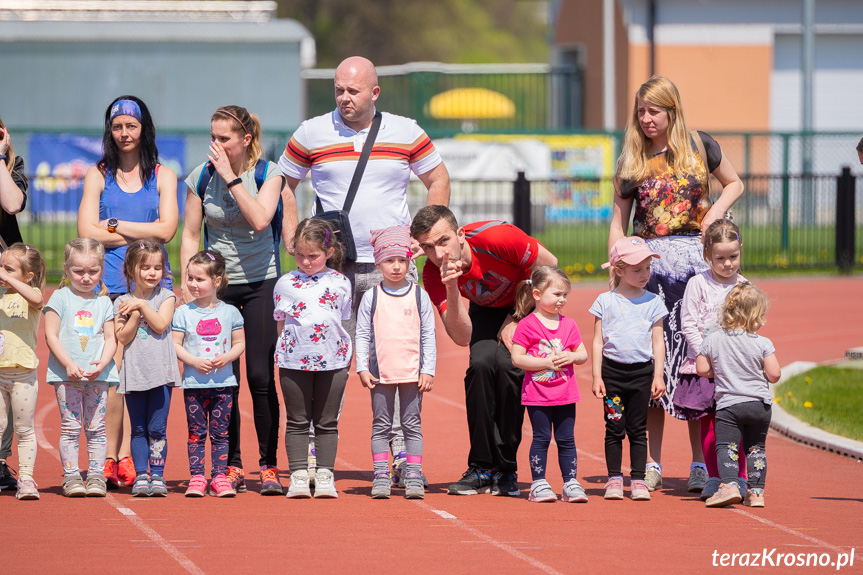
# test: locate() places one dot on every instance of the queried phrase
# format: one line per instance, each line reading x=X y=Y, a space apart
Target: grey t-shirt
x=150 y=359
x=249 y=254
x=738 y=366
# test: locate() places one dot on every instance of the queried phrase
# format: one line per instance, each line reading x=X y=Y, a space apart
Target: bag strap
x=361 y=167
x=260 y=174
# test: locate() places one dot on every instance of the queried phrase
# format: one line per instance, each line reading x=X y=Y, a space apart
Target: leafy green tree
x=399 y=31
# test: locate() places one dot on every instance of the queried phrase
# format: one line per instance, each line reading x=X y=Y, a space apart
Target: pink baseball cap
x=630 y=250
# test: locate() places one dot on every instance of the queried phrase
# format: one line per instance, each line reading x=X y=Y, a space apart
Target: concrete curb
x=788 y=425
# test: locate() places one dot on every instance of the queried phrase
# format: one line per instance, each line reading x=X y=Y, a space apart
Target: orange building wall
x=722 y=87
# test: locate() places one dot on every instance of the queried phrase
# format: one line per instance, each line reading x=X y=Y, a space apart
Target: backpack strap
x=260 y=174
x=203 y=182
x=276 y=222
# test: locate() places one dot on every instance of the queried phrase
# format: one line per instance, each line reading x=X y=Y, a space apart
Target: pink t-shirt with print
x=548 y=387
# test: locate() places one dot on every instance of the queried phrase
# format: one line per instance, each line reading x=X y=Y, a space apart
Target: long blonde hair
x=745 y=308
x=680 y=157
x=242 y=122
x=84 y=247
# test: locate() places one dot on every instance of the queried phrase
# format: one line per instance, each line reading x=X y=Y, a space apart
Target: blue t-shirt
x=626 y=323
x=81 y=334
x=208 y=335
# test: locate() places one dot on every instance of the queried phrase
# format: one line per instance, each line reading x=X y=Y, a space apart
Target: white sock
x=695 y=464
x=655 y=465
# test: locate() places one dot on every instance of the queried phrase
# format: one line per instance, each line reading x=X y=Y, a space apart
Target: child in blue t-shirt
x=79 y=330
x=208 y=337
x=628 y=354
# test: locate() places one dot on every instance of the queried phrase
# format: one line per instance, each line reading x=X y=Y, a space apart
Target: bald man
x=330 y=146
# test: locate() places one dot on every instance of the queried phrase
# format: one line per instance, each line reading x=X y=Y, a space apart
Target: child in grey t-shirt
x=741 y=363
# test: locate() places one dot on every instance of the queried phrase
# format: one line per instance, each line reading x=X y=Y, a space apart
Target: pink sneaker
x=638 y=490
x=614 y=488
x=197 y=486
x=221 y=487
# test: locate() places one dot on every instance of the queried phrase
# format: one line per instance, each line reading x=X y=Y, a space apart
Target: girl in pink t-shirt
x=546 y=344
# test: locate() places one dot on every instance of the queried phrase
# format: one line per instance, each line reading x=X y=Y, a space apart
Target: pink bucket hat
x=394 y=242
x=631 y=250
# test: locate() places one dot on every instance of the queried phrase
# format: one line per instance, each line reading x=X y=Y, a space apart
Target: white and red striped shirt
x=331 y=149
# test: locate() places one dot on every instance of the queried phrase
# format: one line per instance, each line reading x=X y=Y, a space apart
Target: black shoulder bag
x=339 y=218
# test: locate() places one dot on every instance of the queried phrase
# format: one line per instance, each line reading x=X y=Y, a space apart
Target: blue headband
x=125 y=108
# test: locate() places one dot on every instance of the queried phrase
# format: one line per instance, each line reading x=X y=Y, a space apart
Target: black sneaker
x=505 y=483
x=6 y=479
x=472 y=482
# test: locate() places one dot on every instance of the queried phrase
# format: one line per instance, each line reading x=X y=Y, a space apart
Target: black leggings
x=627 y=394
x=255 y=302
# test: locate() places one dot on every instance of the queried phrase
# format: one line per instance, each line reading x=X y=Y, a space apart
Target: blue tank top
x=141 y=206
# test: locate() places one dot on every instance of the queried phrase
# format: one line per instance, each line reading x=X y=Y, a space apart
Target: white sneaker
x=653 y=478
x=573 y=492
x=27 y=488
x=325 y=484
x=541 y=492
x=299 y=488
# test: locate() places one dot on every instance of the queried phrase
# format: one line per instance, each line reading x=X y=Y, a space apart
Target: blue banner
x=59 y=162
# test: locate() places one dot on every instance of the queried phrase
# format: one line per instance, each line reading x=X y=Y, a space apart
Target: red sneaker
x=126 y=471
x=112 y=481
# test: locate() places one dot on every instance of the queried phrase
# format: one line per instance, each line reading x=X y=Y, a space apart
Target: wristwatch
x=112 y=225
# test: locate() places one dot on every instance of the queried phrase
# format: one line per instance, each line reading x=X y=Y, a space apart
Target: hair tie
x=26 y=247
x=239 y=121
x=327 y=238
x=142 y=245
x=738 y=238
x=528 y=282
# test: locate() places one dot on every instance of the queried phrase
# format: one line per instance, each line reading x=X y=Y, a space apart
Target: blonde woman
x=661 y=175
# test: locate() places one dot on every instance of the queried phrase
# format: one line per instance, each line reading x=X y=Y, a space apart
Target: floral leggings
x=19 y=388
x=82 y=404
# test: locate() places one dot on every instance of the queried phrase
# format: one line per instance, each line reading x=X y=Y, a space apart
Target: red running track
x=813 y=497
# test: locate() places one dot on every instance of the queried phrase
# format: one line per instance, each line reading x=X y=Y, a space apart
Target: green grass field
x=580 y=248
x=827 y=397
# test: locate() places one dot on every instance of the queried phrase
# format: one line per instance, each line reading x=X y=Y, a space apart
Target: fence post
x=786 y=196
x=521 y=203
x=845 y=220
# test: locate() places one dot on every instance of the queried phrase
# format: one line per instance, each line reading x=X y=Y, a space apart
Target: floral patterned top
x=313 y=307
x=668 y=204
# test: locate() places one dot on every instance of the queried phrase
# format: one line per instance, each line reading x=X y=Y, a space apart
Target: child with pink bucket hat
x=396 y=353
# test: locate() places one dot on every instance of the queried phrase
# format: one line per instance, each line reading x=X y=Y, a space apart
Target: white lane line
x=142 y=526
x=789 y=530
x=443 y=514
x=489 y=539
x=473 y=531
x=583 y=453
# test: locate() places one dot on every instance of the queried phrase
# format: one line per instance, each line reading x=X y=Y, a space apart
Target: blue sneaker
x=141 y=487
x=505 y=483
x=472 y=482
x=157 y=486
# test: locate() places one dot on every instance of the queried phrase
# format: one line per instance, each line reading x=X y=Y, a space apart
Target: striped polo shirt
x=330 y=149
